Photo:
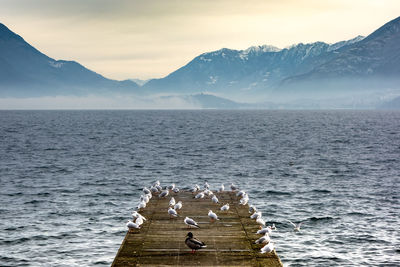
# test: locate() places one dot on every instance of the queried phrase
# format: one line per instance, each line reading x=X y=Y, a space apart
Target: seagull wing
x=292 y=223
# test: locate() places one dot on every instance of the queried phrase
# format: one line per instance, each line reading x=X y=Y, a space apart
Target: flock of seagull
x=174 y=207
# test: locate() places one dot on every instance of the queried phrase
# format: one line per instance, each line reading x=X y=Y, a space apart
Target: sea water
x=69 y=180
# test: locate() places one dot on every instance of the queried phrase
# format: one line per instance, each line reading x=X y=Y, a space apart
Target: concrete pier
x=160 y=241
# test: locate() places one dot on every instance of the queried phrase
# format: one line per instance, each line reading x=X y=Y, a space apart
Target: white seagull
x=252 y=209
x=267 y=248
x=212 y=216
x=215 y=199
x=244 y=200
x=164 y=193
x=146 y=190
x=233 y=187
x=296 y=227
x=260 y=221
x=263 y=239
x=171 y=187
x=141 y=205
x=154 y=189
x=136 y=214
x=240 y=193
x=139 y=220
x=256 y=215
x=172 y=201
x=206 y=185
x=176 y=190
x=190 y=222
x=131 y=225
x=178 y=205
x=172 y=212
x=199 y=195
x=225 y=207
x=266 y=230
x=221 y=188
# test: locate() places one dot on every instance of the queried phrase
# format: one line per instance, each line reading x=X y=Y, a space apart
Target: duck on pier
x=194 y=243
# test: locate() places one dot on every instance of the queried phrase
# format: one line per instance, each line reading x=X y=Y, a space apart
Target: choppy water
x=69 y=179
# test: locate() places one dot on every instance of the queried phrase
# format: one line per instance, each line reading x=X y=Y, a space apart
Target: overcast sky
x=123 y=39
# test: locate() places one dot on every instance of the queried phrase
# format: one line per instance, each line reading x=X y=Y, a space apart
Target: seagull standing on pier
x=263 y=239
x=146 y=190
x=164 y=193
x=178 y=205
x=172 y=212
x=266 y=230
x=190 y=222
x=233 y=187
x=172 y=201
x=212 y=216
x=194 y=243
x=225 y=207
x=199 y=195
x=267 y=248
x=221 y=188
x=131 y=225
x=215 y=199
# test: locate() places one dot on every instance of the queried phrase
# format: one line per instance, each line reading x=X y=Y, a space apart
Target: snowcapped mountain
x=24 y=71
x=251 y=73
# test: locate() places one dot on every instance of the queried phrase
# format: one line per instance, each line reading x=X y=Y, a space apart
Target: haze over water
x=70 y=179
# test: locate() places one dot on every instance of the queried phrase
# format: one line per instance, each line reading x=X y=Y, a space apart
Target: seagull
x=208 y=192
x=266 y=230
x=154 y=189
x=206 y=185
x=296 y=227
x=164 y=193
x=159 y=188
x=190 y=222
x=156 y=183
x=141 y=205
x=244 y=200
x=263 y=239
x=240 y=193
x=145 y=198
x=171 y=187
x=172 y=201
x=221 y=188
x=176 y=190
x=172 y=212
x=252 y=209
x=193 y=190
x=267 y=248
x=225 y=207
x=260 y=221
x=199 y=195
x=273 y=227
x=131 y=225
x=178 y=205
x=215 y=199
x=136 y=214
x=233 y=187
x=146 y=190
x=149 y=195
x=194 y=243
x=256 y=215
x=139 y=220
x=212 y=216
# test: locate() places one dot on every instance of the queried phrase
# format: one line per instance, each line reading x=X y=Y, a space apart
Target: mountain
x=24 y=71
x=371 y=63
x=250 y=73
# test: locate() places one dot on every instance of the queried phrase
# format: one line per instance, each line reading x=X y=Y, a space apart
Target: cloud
x=149 y=39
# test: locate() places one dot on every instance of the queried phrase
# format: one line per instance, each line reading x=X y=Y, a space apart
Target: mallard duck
x=194 y=243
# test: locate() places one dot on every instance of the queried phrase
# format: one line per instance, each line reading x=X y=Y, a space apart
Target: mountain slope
x=375 y=59
x=24 y=71
x=237 y=73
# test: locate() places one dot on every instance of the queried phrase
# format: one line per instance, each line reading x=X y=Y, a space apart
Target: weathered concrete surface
x=160 y=241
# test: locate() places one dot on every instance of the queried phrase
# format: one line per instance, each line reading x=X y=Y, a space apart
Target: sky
x=126 y=39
